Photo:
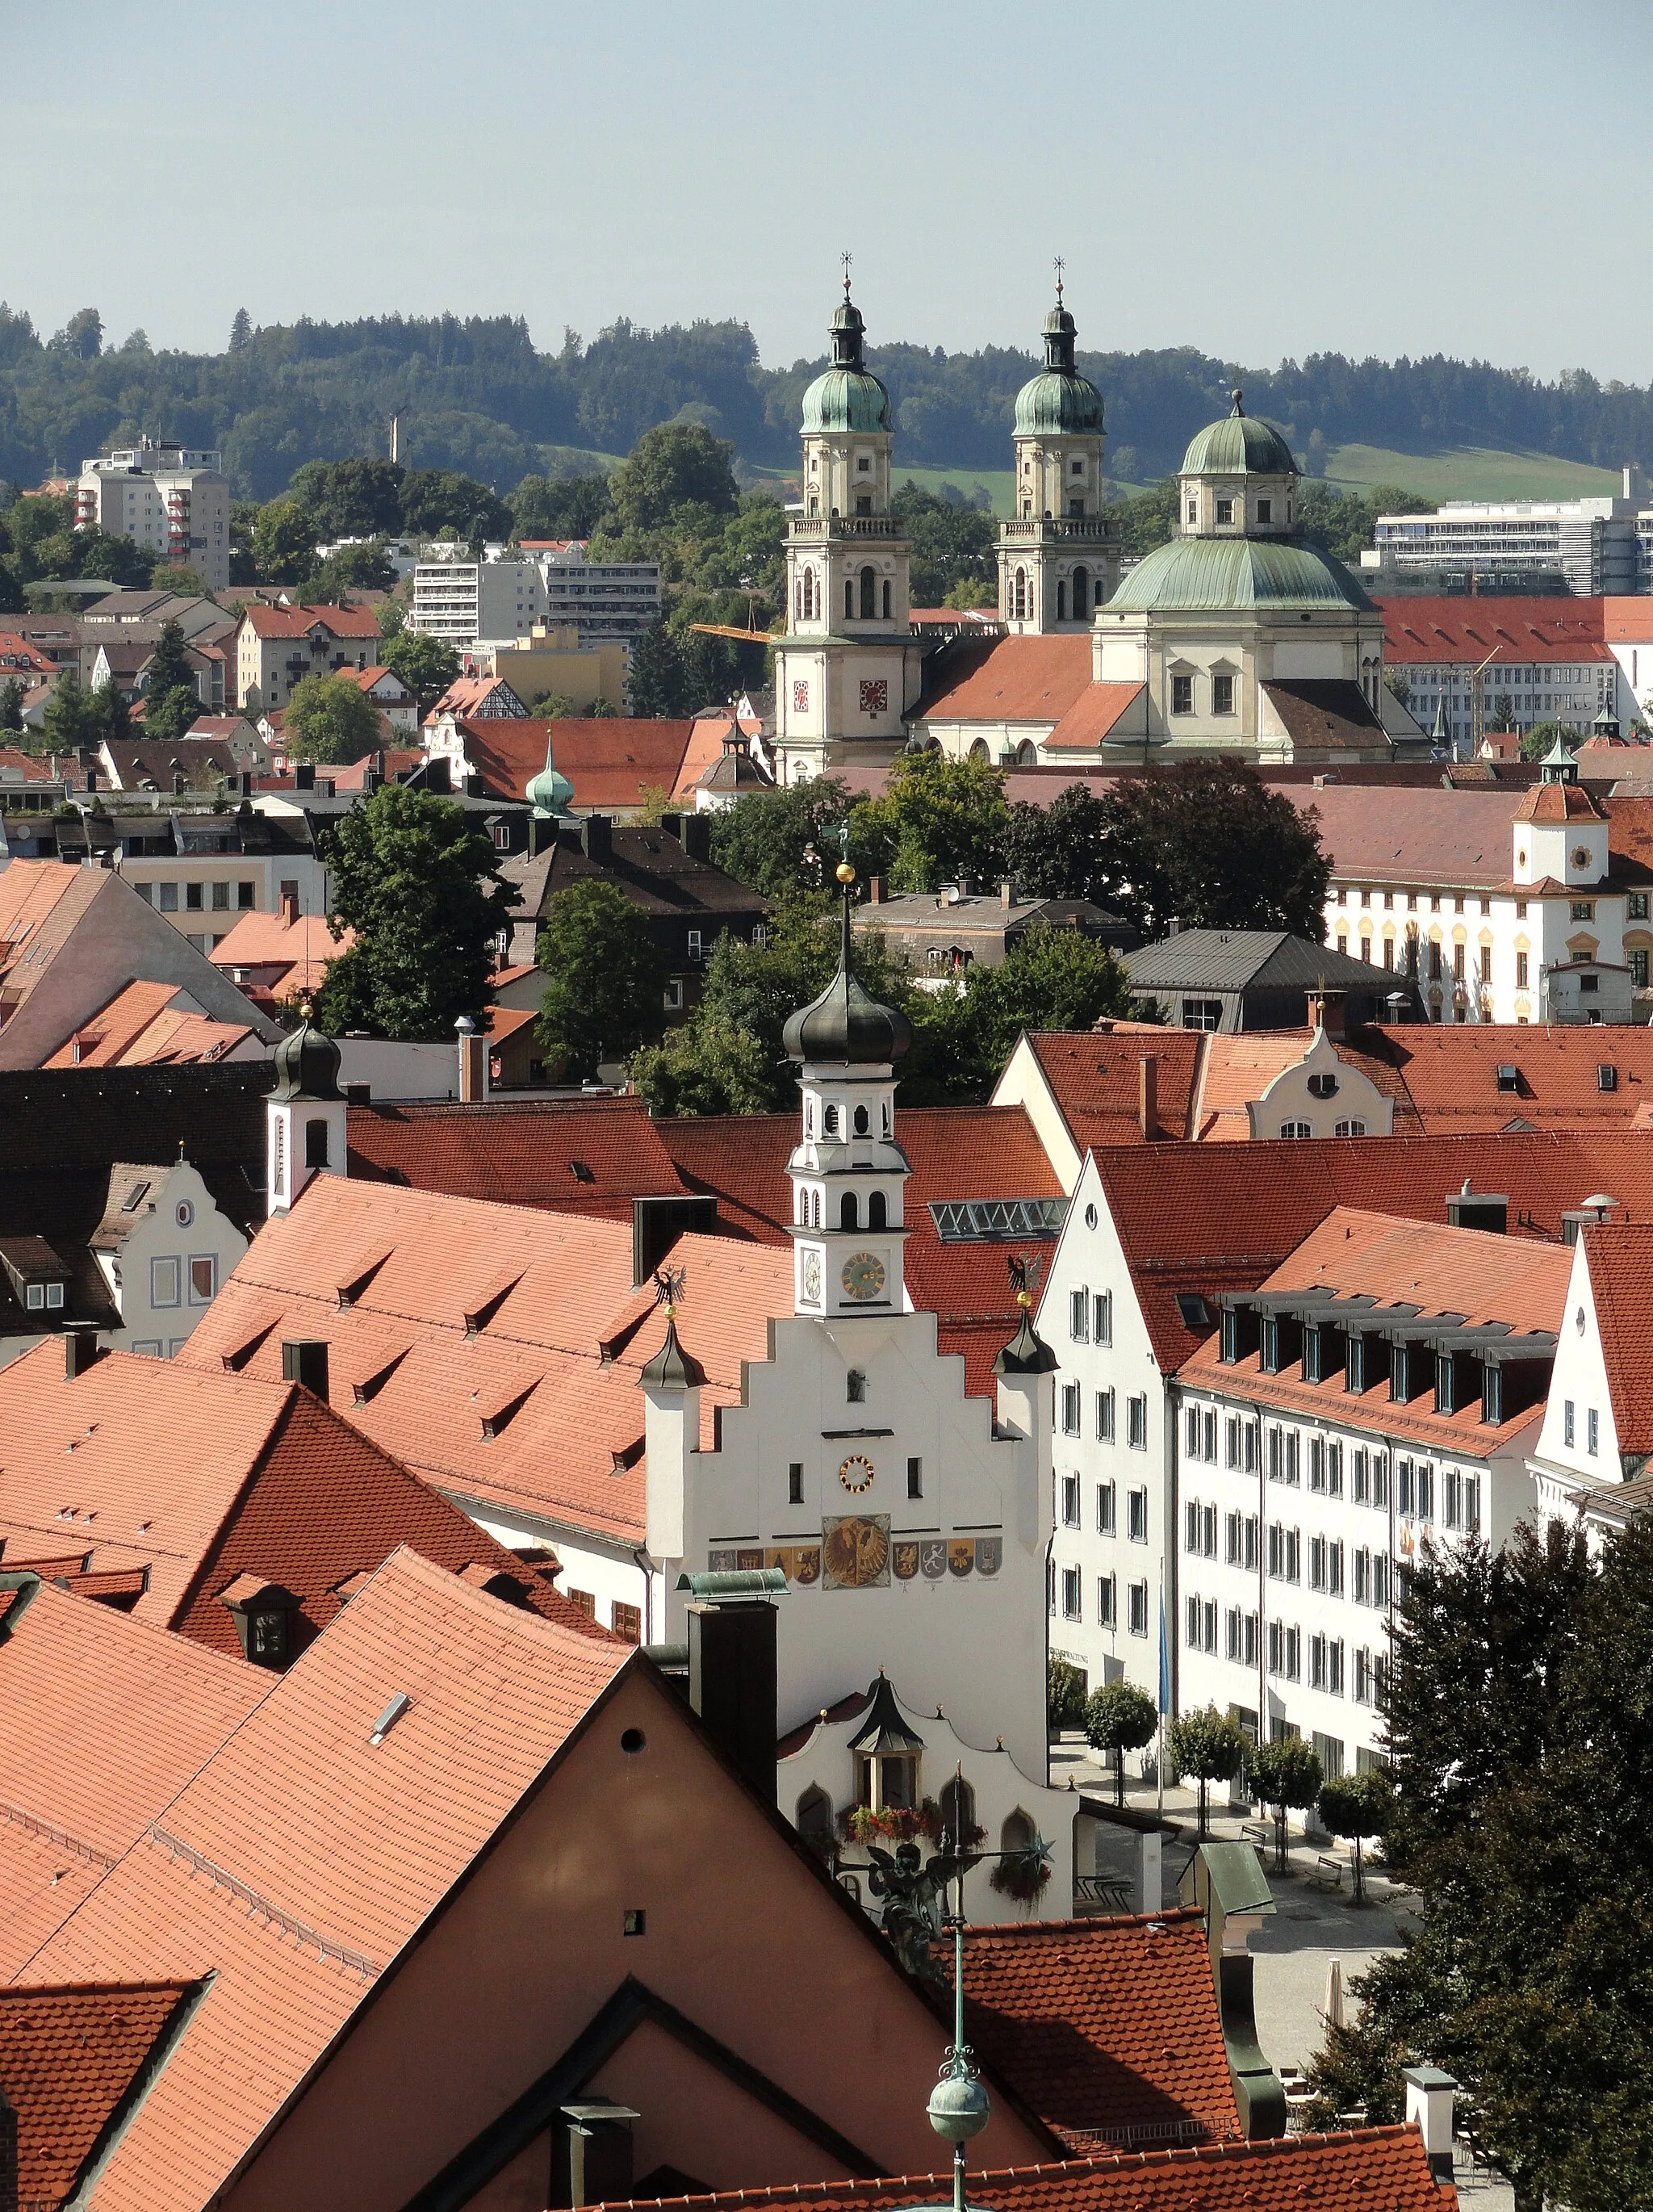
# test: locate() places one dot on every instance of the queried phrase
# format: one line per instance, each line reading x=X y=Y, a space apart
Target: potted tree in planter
x=1210 y=1746
x=1287 y=1774
x=1120 y=1717
x=1357 y=1806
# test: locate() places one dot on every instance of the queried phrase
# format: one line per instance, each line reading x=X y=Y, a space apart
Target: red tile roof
x=141 y=1027
x=345 y=1847
x=1521 y=630
x=199 y=1476
x=295 y=953
x=1095 y=1076
x=1099 y=710
x=1362 y=2170
x=1210 y=1218
x=70 y=2059
x=561 y=1329
x=1558 y=802
x=469 y=694
x=298 y=621
x=612 y=760
x=1102 y=2027
x=577 y=1155
x=1449 y=1071
x=1619 y=1257
x=1008 y=679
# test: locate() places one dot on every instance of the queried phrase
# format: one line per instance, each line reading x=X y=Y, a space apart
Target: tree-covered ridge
x=476 y=396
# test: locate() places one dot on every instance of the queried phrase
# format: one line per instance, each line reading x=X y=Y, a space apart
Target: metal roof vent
x=387 y=1720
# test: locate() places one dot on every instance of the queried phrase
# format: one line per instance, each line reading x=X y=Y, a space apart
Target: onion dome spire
x=845 y=1024
x=306 y=1062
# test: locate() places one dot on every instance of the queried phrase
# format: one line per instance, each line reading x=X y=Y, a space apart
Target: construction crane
x=1475 y=702
x=743 y=636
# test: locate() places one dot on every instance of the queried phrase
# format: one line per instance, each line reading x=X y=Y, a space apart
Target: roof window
x=1509 y=1077
x=1606 y=1076
x=134 y=1198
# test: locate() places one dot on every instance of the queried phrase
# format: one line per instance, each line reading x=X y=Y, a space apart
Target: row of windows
x=165 y=896
x=166 y=1280
x=1090 y=1317
x=1136 y=1509
x=1136 y=1416
x=1222 y=693
x=1592 y=1426
x=849 y=1209
x=1073 y=1601
x=1369 y=1577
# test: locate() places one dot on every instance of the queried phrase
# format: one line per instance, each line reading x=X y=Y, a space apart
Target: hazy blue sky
x=1464 y=176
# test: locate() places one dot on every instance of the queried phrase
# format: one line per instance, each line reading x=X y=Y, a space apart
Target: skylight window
x=134 y=1198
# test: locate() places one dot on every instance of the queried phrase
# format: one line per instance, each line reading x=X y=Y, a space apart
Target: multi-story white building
x=277 y=647
x=1378 y=1392
x=606 y=601
x=1469 y=664
x=1589 y=545
x=171 y=499
x=461 y=600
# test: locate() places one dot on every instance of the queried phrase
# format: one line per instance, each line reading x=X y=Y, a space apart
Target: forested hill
x=475 y=396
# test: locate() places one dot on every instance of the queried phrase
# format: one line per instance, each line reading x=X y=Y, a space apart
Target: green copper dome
x=847 y=396
x=549 y=791
x=1059 y=401
x=1214 y=575
x=1238 y=446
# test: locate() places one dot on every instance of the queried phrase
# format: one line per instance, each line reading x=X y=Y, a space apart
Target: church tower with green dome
x=847 y=667
x=1058 y=557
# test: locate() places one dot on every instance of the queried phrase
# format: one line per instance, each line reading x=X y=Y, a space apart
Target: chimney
x=1148 y=1096
x=1479 y=1209
x=595 y=840
x=289 y=909
x=473 y=1062
x=657 y=1224
x=875 y=891
x=732 y=1682
x=696 y=836
x=672 y=825
x=91 y=780
x=1430 y=2095
x=1328 y=1011
x=304 y=1360
x=438 y=775
x=304 y=776
x=245 y=783
x=1006 y=893
x=81 y=1351
x=592 y=2159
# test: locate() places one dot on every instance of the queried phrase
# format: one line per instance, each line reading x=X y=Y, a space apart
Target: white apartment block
x=1590 y=545
x=605 y=600
x=171 y=499
x=462 y=601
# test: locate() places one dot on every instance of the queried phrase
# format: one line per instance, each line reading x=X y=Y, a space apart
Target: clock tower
x=848 y=1174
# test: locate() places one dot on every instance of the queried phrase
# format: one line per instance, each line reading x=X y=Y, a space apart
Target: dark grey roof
x=1250 y=960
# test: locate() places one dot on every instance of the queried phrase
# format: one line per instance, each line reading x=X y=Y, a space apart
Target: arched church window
x=830 y=1120
x=861 y=1122
x=1018 y=1833
x=886 y=599
x=1027 y=754
x=800 y=599
x=869 y=595
x=1081 y=594
x=877 y=1217
x=849 y=1212
x=814 y=1821
x=849 y=599
x=979 y=749
x=957 y=1814
x=803 y=1209
x=1061 y=602
x=1020 y=595
x=815 y=1210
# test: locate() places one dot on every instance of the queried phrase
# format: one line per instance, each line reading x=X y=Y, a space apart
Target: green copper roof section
x=1055 y=403
x=1215 y=574
x=1238 y=446
x=846 y=399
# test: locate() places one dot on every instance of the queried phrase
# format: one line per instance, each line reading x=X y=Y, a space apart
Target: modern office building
x=461 y=600
x=1593 y=546
x=605 y=601
x=171 y=499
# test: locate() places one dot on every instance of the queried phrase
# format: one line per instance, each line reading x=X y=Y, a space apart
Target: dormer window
x=1193 y=511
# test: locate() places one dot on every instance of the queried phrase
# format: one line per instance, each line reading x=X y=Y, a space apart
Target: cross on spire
x=846 y=258
x=1058 y=265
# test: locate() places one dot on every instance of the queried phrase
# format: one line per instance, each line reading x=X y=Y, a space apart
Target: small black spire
x=306 y=1062
x=846 y=1023
x=1027 y=1353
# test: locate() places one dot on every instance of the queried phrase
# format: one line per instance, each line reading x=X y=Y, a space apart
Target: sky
x=1467 y=177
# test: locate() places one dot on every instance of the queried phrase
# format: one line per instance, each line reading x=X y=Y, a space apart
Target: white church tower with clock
x=912 y=1522
x=848 y=666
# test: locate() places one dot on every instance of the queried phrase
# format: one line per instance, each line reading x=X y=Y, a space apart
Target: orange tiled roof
x=547 y=1295
x=68 y=2058
x=1102 y=2026
x=1519 y=630
x=1098 y=711
x=1619 y=1256
x=1238 y=1066
x=576 y=1155
x=298 y=952
x=1357 y=2171
x=612 y=760
x=1094 y=1076
x=349 y=1846
x=1449 y=1073
x=141 y=1027
x=1558 y=802
x=1007 y=679
x=297 y=621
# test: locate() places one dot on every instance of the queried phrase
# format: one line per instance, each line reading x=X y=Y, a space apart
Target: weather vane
x=846 y=258
x=668 y=1289
x=1024 y=1272
x=1060 y=265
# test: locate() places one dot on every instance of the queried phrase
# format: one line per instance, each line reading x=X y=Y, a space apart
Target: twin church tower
x=850 y=666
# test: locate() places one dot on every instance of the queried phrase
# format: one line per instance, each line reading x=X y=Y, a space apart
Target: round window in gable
x=633 y=1742
x=1090 y=1217
x=185 y=1214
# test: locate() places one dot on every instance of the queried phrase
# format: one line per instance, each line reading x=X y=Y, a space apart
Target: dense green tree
x=438 y=499
x=1051 y=979
x=94 y=552
x=284 y=542
x=421 y=888
x=938 y=821
x=425 y=664
x=1345 y=523
x=330 y=719
x=1120 y=1717
x=1064 y=1694
x=605 y=992
x=81 y=334
x=241 y=330
x=171 y=714
x=1286 y=1773
x=951 y=544
x=1357 y=1808
x=351 y=568
x=355 y=498
x=1062 y=850
x=678 y=465
x=1210 y=1746
x=391 y=617
x=1207 y=844
x=11 y=704
x=116 y=713
x=169 y=665
x=73 y=716
x=657 y=683
x=786 y=840
x=711 y=1065
x=560 y=506
x=1537 y=741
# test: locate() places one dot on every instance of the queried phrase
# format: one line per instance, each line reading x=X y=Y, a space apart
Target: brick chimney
x=1006 y=893
x=473 y=1062
x=1148 y=1096
x=1430 y=2097
x=289 y=909
x=875 y=891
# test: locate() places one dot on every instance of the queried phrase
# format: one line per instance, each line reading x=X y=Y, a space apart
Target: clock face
x=812 y=1277
x=863 y=1276
x=856 y=1474
x=1581 y=856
